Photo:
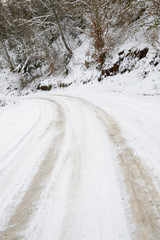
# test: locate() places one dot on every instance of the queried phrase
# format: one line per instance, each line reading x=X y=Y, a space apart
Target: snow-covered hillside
x=135 y=74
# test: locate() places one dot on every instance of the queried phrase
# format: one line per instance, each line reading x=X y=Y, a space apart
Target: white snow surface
x=63 y=173
x=84 y=195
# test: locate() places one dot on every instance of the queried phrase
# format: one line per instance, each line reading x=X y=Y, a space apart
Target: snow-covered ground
x=82 y=162
x=80 y=166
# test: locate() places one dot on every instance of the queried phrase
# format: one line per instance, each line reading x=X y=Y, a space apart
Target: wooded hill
x=42 y=34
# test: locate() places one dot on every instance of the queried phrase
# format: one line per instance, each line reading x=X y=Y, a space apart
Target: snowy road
x=73 y=169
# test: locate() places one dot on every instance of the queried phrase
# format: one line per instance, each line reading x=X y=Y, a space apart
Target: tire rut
x=140 y=183
x=144 y=197
x=25 y=209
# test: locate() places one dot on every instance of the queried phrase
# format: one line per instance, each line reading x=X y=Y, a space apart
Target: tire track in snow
x=79 y=208
x=27 y=206
x=144 y=198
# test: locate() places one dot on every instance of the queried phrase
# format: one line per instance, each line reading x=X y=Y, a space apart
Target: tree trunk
x=8 y=58
x=61 y=32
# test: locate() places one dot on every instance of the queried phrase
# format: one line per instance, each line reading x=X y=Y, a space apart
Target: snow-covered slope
x=134 y=74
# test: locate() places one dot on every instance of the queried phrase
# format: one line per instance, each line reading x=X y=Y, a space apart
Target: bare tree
x=50 y=19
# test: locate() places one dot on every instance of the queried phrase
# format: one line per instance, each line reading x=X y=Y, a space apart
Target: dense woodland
x=42 y=34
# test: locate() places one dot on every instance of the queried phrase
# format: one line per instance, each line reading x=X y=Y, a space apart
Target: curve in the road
x=144 y=198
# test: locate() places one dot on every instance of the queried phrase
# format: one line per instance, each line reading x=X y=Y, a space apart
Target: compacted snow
x=80 y=166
